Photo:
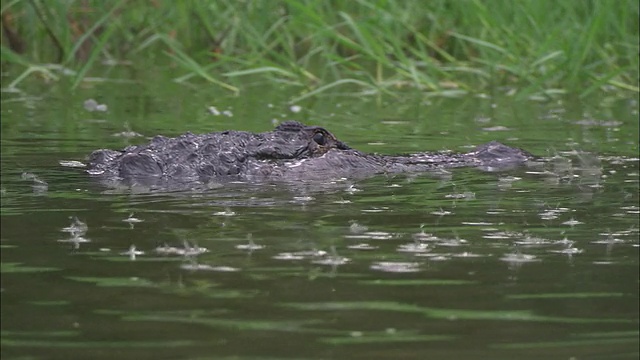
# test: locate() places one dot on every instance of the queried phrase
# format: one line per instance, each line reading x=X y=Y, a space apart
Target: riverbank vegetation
x=528 y=48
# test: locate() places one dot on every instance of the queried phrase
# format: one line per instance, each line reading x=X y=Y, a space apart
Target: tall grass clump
x=523 y=47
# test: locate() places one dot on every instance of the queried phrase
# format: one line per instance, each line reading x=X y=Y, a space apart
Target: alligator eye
x=319 y=138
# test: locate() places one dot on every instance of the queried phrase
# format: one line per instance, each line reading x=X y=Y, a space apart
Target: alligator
x=291 y=152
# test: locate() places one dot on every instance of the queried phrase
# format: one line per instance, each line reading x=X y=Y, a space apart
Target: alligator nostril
x=319 y=138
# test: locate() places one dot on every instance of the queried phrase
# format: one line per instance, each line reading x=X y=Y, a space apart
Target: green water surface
x=533 y=263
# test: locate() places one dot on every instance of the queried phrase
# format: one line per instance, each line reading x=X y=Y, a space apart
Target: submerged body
x=292 y=151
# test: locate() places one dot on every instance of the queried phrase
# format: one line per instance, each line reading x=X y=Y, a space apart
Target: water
x=533 y=263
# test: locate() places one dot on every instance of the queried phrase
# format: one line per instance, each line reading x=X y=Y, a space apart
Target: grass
x=527 y=48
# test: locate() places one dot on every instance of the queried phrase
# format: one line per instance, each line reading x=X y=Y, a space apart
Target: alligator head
x=292 y=151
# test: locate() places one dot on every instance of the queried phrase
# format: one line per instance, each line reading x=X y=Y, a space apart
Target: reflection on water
x=533 y=263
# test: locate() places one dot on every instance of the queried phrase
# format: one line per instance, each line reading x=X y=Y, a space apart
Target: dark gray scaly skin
x=291 y=152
